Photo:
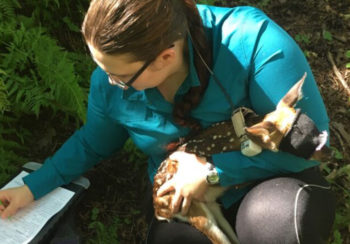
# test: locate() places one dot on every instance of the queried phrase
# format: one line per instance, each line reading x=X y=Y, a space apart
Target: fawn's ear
x=261 y=135
x=293 y=95
x=259 y=132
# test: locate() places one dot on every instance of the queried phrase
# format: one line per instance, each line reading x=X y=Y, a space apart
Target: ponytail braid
x=191 y=99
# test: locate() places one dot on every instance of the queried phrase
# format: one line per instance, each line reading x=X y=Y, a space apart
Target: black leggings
x=296 y=208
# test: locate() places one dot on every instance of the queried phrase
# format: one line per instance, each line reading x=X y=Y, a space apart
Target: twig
x=340 y=128
x=336 y=133
x=338 y=74
x=340 y=38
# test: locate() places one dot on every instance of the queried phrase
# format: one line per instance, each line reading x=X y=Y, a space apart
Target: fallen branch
x=338 y=136
x=340 y=128
x=338 y=74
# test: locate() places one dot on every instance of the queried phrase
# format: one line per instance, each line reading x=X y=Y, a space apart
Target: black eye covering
x=303 y=138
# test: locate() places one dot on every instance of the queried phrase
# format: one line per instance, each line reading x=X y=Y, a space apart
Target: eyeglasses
x=125 y=85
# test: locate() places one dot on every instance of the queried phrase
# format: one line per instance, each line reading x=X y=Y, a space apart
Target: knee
x=286 y=210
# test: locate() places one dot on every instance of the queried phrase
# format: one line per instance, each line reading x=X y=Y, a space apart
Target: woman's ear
x=164 y=59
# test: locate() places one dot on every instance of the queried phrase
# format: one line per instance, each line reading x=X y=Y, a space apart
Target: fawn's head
x=270 y=131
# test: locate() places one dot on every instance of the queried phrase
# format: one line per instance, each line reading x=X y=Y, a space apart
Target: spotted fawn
x=267 y=131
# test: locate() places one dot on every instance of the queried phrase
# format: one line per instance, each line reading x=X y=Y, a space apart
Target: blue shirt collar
x=191 y=80
x=133 y=95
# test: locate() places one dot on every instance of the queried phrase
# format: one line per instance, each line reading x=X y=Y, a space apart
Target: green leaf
x=302 y=38
x=94 y=213
x=70 y=24
x=325 y=167
x=347 y=54
x=337 y=237
x=327 y=35
x=127 y=221
x=337 y=153
x=347 y=65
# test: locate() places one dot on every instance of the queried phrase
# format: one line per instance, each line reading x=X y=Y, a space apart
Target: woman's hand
x=188 y=183
x=13 y=199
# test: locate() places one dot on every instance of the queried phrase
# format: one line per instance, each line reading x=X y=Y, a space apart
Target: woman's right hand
x=188 y=183
x=13 y=199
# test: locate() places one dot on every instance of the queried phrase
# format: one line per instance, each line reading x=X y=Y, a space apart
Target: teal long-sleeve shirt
x=255 y=60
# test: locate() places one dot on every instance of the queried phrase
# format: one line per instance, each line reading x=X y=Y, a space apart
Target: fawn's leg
x=202 y=218
x=222 y=221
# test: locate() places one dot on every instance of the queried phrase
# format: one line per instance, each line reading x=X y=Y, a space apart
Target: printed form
x=27 y=222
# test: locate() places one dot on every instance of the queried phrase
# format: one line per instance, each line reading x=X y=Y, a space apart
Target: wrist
x=212 y=177
x=28 y=192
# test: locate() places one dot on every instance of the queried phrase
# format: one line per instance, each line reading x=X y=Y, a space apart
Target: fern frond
x=4 y=102
x=41 y=74
x=7 y=9
x=35 y=72
x=58 y=74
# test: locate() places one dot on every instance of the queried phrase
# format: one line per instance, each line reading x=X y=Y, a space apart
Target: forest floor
x=111 y=212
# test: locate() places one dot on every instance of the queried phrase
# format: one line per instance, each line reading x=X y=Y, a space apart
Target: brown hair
x=144 y=29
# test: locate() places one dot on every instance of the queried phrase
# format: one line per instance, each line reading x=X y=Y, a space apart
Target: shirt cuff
x=43 y=180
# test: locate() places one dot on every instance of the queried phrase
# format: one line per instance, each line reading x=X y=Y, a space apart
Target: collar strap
x=248 y=147
x=303 y=138
x=238 y=122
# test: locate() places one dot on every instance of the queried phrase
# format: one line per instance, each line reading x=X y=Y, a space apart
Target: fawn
x=268 y=132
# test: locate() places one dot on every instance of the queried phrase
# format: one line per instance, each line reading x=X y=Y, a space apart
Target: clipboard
x=77 y=186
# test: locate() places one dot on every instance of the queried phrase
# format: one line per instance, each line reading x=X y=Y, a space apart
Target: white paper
x=27 y=222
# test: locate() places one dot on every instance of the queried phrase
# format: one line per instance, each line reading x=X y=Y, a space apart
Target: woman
x=154 y=83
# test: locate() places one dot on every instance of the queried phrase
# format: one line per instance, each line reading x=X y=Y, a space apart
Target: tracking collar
x=248 y=147
x=303 y=138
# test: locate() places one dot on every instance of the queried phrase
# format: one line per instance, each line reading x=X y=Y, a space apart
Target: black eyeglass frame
x=127 y=84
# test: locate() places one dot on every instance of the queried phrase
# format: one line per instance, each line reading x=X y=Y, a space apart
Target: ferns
x=35 y=72
x=39 y=74
x=7 y=9
x=4 y=103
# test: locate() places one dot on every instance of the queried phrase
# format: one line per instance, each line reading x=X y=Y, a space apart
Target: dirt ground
x=322 y=28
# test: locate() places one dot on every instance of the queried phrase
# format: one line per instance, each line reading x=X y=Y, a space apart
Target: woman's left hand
x=189 y=182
